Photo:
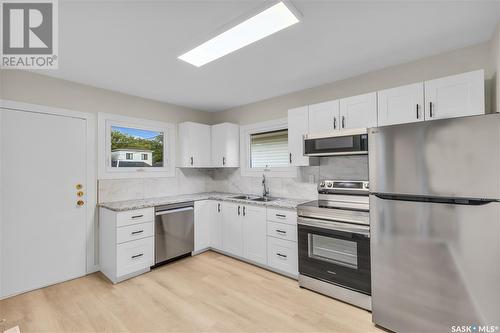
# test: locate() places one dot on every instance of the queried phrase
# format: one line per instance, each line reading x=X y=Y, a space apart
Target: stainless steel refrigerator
x=435 y=223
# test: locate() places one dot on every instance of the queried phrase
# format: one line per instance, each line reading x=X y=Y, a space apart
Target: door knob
x=80 y=203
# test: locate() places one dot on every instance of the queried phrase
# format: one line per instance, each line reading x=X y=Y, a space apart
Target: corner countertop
x=120 y=206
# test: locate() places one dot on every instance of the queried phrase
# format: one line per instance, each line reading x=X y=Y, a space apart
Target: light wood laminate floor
x=206 y=293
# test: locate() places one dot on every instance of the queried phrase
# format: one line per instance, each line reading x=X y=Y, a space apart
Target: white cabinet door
x=255 y=234
x=455 y=96
x=216 y=225
x=194 y=145
x=400 y=105
x=202 y=224
x=358 y=111
x=232 y=228
x=226 y=145
x=298 y=125
x=324 y=117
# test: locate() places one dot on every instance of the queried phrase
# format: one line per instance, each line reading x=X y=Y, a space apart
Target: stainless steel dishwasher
x=174 y=231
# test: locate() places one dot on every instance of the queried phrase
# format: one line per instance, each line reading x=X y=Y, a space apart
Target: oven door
x=335 y=252
x=336 y=145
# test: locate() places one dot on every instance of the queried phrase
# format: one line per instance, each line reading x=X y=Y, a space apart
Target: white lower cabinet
x=282 y=255
x=216 y=225
x=254 y=234
x=202 y=223
x=282 y=250
x=232 y=228
x=264 y=236
x=126 y=241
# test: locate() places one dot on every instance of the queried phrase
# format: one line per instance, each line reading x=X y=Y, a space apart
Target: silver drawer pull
x=281 y=255
x=137 y=216
x=282 y=216
x=281 y=231
x=137 y=232
x=137 y=256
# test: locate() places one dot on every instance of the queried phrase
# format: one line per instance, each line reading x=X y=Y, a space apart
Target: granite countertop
x=120 y=206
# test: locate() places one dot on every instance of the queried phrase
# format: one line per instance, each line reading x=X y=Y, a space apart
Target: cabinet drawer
x=134 y=256
x=282 y=216
x=282 y=255
x=282 y=230
x=134 y=216
x=133 y=232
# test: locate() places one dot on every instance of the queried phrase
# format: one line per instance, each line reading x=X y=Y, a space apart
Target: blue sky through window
x=135 y=132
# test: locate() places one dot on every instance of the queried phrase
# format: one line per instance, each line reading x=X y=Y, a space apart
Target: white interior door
x=43 y=238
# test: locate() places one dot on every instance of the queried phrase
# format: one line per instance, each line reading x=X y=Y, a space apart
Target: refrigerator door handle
x=441 y=200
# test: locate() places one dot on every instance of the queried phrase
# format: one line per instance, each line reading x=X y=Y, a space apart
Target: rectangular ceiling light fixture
x=265 y=23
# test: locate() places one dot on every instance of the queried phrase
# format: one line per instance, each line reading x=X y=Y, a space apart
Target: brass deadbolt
x=80 y=203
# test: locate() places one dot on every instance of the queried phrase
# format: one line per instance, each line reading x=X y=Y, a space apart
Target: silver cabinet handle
x=239 y=210
x=137 y=216
x=137 y=232
x=290 y=158
x=343 y=122
x=137 y=256
x=192 y=160
x=281 y=216
x=417 y=112
x=223 y=161
x=430 y=110
x=218 y=207
x=244 y=213
x=334 y=122
x=281 y=255
x=281 y=231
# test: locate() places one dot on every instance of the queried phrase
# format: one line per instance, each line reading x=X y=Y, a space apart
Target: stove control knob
x=322 y=184
x=329 y=184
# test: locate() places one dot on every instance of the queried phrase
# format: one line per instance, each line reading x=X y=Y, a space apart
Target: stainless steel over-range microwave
x=345 y=142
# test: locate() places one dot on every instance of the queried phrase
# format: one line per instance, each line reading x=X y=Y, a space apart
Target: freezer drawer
x=434 y=265
x=447 y=158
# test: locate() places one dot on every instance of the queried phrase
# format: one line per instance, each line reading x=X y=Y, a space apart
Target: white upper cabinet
x=324 y=117
x=226 y=145
x=194 y=145
x=401 y=105
x=298 y=125
x=358 y=111
x=455 y=96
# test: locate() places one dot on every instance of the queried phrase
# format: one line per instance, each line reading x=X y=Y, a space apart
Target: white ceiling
x=132 y=46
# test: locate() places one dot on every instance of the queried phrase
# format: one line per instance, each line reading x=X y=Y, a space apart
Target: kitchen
x=342 y=206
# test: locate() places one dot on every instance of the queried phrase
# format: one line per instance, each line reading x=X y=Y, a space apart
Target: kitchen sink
x=244 y=197
x=264 y=199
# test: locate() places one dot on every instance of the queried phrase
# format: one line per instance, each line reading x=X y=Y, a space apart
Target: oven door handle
x=355 y=229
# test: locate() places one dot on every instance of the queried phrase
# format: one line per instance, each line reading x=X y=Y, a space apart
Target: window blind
x=269 y=149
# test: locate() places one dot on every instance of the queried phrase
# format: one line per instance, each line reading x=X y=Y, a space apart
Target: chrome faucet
x=265 y=190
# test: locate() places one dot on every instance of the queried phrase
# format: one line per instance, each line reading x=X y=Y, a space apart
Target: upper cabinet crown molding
x=205 y=146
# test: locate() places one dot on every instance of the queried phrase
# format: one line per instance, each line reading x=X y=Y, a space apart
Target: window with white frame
x=264 y=149
x=133 y=147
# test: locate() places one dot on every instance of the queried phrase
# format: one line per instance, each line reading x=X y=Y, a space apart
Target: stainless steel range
x=334 y=242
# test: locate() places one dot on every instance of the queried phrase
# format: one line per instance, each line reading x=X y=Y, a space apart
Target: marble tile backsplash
x=230 y=180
